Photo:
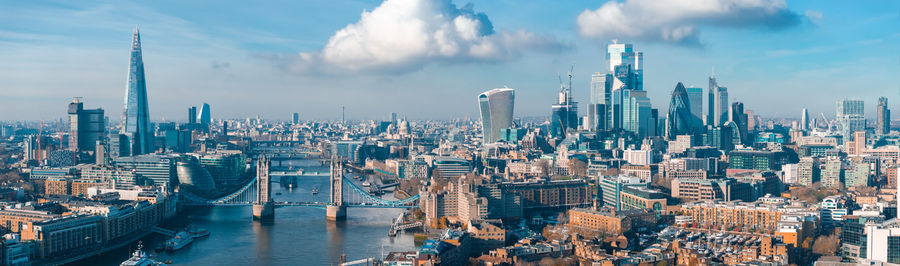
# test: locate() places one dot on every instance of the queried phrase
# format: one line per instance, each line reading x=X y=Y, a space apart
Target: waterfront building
x=160 y=169
x=347 y=149
x=883 y=117
x=136 y=115
x=13 y=219
x=116 y=178
x=226 y=167
x=61 y=236
x=86 y=126
x=194 y=177
x=496 y=108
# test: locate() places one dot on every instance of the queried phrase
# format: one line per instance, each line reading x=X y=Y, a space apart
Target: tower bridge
x=343 y=194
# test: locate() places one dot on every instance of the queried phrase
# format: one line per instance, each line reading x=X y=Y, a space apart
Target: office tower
x=192 y=115
x=599 y=102
x=711 y=100
x=804 y=120
x=883 y=119
x=296 y=118
x=721 y=115
x=850 y=117
x=136 y=114
x=739 y=118
x=496 y=112
x=394 y=119
x=680 y=119
x=205 y=117
x=751 y=120
x=343 y=110
x=624 y=54
x=636 y=113
x=86 y=126
x=564 y=114
x=695 y=97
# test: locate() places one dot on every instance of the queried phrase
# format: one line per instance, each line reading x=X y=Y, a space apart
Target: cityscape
x=355 y=149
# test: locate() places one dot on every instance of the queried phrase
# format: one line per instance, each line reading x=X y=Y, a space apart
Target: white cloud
x=678 y=21
x=404 y=35
x=814 y=16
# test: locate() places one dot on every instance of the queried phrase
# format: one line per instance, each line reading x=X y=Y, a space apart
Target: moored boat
x=180 y=240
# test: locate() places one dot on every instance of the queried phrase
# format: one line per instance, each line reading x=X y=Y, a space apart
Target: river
x=297 y=236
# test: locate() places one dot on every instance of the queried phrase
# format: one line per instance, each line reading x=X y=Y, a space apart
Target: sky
x=429 y=59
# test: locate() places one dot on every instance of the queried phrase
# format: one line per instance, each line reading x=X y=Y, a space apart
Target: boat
x=277 y=193
x=140 y=258
x=180 y=240
x=366 y=184
x=198 y=232
x=315 y=191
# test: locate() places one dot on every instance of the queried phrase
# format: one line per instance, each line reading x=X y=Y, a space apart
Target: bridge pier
x=336 y=212
x=264 y=211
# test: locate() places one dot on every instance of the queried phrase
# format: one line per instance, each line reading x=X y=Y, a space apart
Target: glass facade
x=136 y=116
x=496 y=108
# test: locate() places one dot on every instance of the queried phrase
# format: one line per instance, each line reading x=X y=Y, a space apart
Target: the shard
x=136 y=115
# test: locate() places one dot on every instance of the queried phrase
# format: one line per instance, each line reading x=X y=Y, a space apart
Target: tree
x=826 y=245
x=544 y=167
x=578 y=167
x=443 y=222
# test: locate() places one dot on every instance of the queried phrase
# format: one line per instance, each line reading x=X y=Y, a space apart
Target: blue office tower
x=136 y=115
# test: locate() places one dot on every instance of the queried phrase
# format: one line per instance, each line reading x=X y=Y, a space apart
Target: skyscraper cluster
x=618 y=100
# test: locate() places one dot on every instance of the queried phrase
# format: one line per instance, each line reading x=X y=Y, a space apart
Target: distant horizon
x=807 y=52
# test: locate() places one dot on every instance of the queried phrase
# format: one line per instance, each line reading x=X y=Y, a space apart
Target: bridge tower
x=336 y=210
x=264 y=206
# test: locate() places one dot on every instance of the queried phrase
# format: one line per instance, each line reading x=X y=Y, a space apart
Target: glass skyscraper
x=850 y=117
x=681 y=120
x=883 y=119
x=205 y=118
x=136 y=115
x=496 y=112
x=695 y=95
x=86 y=127
x=717 y=104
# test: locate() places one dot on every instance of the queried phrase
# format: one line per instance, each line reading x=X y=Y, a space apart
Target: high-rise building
x=496 y=108
x=205 y=116
x=721 y=105
x=681 y=119
x=564 y=114
x=718 y=103
x=804 y=120
x=600 y=100
x=637 y=113
x=192 y=115
x=883 y=119
x=136 y=114
x=296 y=118
x=695 y=97
x=850 y=116
x=737 y=115
x=624 y=54
x=86 y=126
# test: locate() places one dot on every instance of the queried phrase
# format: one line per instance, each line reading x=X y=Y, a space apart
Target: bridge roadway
x=308 y=204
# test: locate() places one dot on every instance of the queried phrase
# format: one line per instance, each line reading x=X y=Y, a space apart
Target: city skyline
x=244 y=75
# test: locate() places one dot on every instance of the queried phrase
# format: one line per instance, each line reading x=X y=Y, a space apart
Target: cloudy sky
x=428 y=59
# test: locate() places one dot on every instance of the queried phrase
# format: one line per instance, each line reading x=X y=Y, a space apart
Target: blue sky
x=428 y=59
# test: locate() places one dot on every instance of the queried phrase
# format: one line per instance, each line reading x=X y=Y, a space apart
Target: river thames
x=297 y=236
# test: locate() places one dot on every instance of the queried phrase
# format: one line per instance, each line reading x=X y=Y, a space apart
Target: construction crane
x=824 y=119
